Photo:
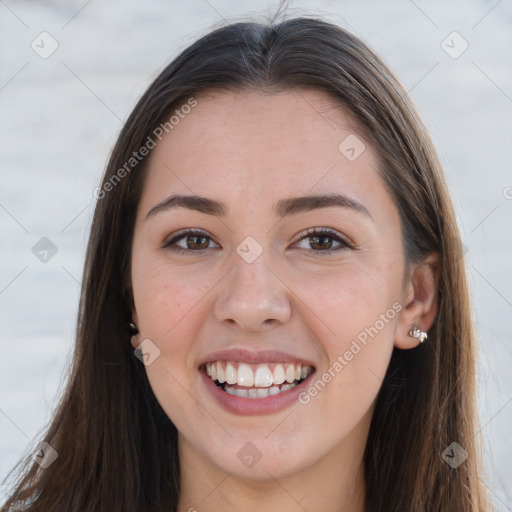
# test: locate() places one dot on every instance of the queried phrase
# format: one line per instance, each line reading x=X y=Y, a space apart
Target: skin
x=249 y=150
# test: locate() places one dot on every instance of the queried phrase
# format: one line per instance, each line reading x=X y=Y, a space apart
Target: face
x=271 y=322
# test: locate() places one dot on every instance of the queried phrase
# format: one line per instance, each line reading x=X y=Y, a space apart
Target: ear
x=420 y=300
x=135 y=339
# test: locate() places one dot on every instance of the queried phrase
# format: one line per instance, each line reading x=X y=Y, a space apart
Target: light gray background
x=60 y=116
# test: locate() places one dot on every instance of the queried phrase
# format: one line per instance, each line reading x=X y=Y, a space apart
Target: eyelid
x=344 y=241
x=326 y=231
x=183 y=233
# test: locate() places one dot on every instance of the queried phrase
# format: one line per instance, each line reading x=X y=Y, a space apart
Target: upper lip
x=244 y=355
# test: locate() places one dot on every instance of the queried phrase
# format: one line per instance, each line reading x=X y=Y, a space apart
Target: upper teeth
x=260 y=376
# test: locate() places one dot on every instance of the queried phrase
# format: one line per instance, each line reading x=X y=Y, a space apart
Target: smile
x=245 y=380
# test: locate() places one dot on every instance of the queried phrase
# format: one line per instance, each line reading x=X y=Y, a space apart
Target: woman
x=274 y=312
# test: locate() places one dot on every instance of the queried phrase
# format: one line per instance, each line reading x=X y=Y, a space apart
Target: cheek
x=356 y=310
x=167 y=299
x=347 y=300
x=168 y=303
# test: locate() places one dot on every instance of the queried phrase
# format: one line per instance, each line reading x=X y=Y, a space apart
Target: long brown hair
x=117 y=449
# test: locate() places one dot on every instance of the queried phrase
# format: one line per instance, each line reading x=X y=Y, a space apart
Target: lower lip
x=254 y=406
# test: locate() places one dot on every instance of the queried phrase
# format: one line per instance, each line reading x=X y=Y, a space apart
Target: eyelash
x=309 y=233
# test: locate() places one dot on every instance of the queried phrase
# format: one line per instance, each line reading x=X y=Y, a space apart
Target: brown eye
x=198 y=242
x=324 y=240
x=321 y=242
x=188 y=242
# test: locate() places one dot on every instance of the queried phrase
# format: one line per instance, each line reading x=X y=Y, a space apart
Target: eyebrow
x=282 y=208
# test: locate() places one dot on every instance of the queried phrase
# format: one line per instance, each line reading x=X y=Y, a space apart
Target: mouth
x=256 y=381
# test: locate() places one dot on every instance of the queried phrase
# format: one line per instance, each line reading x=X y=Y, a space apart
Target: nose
x=253 y=296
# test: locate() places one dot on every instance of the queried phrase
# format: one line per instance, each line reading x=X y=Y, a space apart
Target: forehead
x=264 y=146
